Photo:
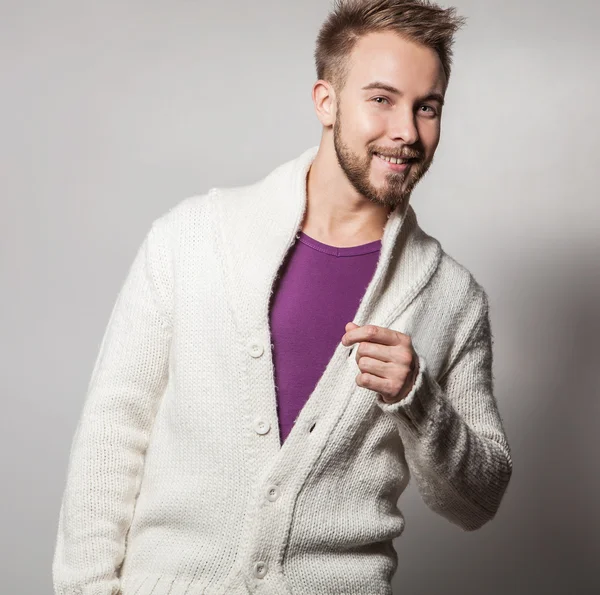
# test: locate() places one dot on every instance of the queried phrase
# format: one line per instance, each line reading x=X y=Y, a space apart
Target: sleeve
x=454 y=441
x=107 y=452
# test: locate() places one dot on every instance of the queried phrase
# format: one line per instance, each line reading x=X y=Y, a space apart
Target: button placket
x=256 y=349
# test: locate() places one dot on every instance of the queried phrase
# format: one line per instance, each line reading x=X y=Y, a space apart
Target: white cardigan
x=177 y=484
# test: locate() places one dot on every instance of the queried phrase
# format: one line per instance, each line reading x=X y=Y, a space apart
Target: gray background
x=113 y=112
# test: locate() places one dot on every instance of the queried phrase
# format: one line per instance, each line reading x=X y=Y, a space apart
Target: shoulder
x=190 y=216
x=459 y=279
x=457 y=295
x=187 y=211
x=192 y=220
x=452 y=286
x=180 y=225
x=198 y=210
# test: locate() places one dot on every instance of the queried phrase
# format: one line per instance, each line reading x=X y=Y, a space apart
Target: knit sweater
x=177 y=483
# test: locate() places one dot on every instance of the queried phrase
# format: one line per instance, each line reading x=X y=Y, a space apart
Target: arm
x=452 y=431
x=107 y=452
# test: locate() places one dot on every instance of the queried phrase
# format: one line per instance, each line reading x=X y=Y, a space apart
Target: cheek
x=369 y=124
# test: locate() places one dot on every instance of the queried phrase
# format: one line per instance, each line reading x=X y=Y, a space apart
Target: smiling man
x=284 y=356
x=385 y=140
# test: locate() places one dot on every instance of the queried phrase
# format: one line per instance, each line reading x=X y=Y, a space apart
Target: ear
x=325 y=102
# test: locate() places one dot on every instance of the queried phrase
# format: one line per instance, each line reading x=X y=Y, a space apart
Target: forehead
x=386 y=56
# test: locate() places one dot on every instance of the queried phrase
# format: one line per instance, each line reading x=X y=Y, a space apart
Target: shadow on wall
x=545 y=537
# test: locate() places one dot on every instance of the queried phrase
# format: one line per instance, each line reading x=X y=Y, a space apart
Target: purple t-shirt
x=318 y=290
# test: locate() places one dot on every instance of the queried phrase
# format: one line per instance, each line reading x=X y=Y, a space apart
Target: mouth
x=393 y=163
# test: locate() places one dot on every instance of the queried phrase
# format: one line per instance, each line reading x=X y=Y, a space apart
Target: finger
x=373 y=334
x=375 y=367
x=374 y=383
x=350 y=325
x=384 y=353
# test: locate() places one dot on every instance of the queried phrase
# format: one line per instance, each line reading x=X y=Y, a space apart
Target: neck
x=336 y=214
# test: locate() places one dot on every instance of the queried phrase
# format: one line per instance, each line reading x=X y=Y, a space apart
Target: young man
x=283 y=356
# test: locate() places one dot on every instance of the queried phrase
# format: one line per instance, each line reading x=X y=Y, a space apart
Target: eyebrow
x=379 y=85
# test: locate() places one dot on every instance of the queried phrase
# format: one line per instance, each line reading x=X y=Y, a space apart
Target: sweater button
x=260 y=569
x=261 y=427
x=273 y=493
x=255 y=349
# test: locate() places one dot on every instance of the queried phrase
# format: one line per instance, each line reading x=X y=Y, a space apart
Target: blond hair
x=419 y=21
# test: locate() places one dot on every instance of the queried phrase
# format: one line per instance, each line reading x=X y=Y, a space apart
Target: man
x=205 y=462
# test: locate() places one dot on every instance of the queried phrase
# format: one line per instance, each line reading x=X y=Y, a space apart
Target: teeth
x=391 y=159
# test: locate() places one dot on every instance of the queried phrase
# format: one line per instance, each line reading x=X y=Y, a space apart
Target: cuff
x=416 y=407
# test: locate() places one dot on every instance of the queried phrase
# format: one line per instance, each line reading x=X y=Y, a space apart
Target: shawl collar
x=258 y=225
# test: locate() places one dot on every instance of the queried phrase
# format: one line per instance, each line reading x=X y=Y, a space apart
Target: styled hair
x=419 y=21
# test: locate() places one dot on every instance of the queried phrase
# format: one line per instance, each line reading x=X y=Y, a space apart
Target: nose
x=402 y=126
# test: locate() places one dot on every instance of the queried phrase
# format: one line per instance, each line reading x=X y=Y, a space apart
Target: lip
x=393 y=166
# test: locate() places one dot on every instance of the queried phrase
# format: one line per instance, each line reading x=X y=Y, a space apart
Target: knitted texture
x=177 y=483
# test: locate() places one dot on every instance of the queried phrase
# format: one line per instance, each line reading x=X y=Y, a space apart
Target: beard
x=398 y=187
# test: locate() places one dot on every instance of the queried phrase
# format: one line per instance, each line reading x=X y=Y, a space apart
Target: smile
x=391 y=159
x=393 y=163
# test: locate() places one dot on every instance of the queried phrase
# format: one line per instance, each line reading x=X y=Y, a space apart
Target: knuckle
x=406 y=357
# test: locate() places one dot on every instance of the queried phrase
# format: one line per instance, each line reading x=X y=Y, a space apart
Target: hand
x=387 y=360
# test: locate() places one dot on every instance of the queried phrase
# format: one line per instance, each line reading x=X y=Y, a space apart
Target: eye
x=376 y=98
x=433 y=112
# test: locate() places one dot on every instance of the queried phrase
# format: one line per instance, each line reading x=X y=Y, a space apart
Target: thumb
x=350 y=325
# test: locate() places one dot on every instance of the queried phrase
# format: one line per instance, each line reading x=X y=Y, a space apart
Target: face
x=390 y=107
